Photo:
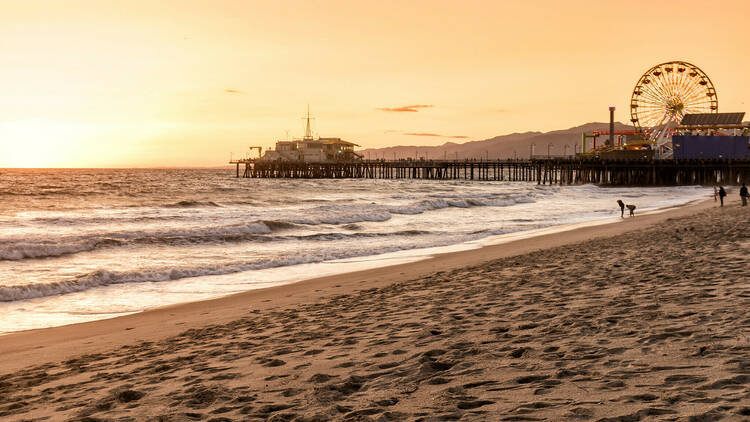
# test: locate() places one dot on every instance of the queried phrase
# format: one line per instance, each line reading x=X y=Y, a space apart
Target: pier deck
x=542 y=171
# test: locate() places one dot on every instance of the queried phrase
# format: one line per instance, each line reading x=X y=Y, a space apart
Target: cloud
x=232 y=91
x=410 y=108
x=435 y=134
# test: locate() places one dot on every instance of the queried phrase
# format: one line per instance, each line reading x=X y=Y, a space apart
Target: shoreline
x=26 y=348
x=283 y=275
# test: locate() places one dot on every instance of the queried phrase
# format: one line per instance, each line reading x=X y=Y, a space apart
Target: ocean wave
x=351 y=214
x=102 y=278
x=347 y=216
x=363 y=235
x=15 y=250
x=342 y=215
x=436 y=204
x=116 y=219
x=33 y=250
x=278 y=225
x=192 y=204
x=52 y=193
x=256 y=232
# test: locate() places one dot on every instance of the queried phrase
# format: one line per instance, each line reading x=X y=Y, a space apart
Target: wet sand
x=645 y=319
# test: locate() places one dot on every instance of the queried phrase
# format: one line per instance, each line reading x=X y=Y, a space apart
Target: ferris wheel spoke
x=677 y=78
x=650 y=114
x=694 y=95
x=701 y=89
x=657 y=90
x=653 y=100
x=646 y=103
x=685 y=78
x=698 y=100
x=699 y=103
x=692 y=110
x=652 y=110
x=687 y=85
x=671 y=87
x=694 y=88
x=650 y=121
x=652 y=107
x=664 y=92
x=649 y=101
x=666 y=82
x=654 y=97
x=650 y=118
x=669 y=83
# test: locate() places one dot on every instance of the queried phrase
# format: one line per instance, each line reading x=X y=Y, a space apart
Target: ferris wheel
x=665 y=93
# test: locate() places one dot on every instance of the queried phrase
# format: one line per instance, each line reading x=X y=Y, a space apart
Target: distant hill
x=500 y=147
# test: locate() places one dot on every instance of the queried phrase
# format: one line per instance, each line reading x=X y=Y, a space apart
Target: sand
x=645 y=319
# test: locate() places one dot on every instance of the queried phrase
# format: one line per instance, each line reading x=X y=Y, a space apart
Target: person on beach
x=631 y=207
x=622 y=208
x=716 y=194
x=744 y=195
x=722 y=194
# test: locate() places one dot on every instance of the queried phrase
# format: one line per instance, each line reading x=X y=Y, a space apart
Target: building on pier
x=320 y=150
x=312 y=150
x=712 y=136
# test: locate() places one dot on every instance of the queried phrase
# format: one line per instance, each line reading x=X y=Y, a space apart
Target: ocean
x=83 y=244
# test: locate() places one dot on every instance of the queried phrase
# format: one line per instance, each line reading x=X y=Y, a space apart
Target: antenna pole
x=308 y=130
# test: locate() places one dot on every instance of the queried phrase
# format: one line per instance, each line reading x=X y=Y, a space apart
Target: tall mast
x=308 y=130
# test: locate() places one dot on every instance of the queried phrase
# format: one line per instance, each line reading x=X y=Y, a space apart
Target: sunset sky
x=184 y=83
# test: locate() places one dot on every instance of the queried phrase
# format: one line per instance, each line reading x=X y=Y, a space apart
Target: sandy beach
x=644 y=319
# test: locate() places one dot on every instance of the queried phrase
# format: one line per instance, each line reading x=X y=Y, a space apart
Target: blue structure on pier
x=711 y=136
x=711 y=147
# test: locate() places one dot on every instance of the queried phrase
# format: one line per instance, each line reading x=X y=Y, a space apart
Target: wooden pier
x=541 y=171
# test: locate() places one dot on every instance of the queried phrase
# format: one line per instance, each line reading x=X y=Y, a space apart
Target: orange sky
x=170 y=83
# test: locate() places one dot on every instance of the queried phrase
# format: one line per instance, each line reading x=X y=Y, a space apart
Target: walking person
x=622 y=208
x=716 y=193
x=743 y=195
x=722 y=194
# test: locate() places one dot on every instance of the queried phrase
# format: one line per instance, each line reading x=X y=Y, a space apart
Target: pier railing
x=562 y=171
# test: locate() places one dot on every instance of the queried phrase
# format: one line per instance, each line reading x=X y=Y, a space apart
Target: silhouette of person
x=622 y=208
x=631 y=208
x=743 y=195
x=722 y=194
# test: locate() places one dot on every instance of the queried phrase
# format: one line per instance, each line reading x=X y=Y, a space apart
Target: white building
x=321 y=150
x=311 y=150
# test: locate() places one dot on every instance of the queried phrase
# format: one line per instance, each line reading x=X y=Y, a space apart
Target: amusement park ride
x=661 y=98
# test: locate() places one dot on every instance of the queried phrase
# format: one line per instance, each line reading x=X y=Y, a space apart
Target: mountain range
x=514 y=145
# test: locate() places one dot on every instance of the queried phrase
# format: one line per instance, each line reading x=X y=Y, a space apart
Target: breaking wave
x=192 y=204
x=347 y=216
x=256 y=232
x=101 y=278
